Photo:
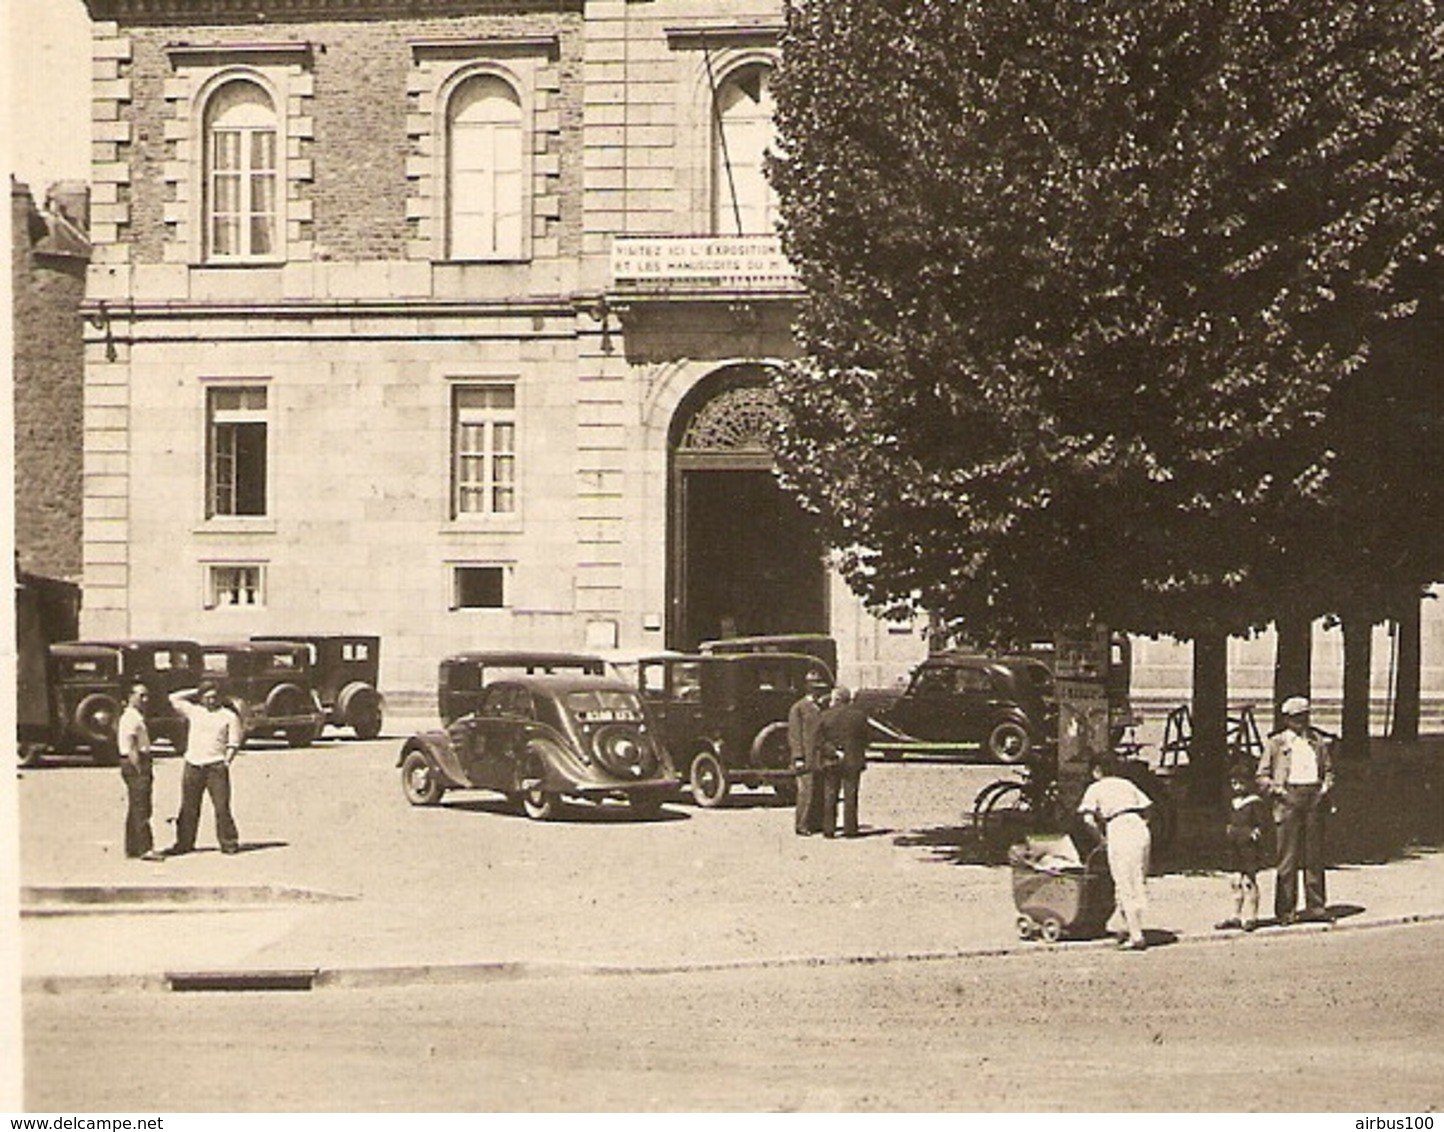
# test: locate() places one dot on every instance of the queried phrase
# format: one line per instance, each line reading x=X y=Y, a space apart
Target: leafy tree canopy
x=1085 y=282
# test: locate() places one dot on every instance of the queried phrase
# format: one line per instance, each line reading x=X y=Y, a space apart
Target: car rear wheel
x=368 y=727
x=30 y=754
x=1009 y=742
x=95 y=720
x=708 y=781
x=419 y=781
x=359 y=707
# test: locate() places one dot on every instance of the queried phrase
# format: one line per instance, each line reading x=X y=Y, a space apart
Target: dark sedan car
x=91 y=680
x=962 y=704
x=462 y=677
x=539 y=739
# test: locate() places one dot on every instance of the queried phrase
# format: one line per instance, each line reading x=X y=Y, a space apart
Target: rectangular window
x=483 y=450
x=235 y=585
x=236 y=451
x=479 y=587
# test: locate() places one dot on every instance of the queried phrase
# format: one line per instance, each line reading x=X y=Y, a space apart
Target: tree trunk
x=1293 y=660
x=1358 y=648
x=1208 y=751
x=1406 y=672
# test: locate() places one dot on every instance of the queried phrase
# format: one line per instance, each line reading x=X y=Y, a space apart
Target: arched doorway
x=743 y=558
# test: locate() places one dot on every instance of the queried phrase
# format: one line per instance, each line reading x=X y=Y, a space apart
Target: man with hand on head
x=215 y=737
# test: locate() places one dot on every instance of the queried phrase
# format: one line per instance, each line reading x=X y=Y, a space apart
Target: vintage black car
x=539 y=739
x=723 y=718
x=967 y=704
x=91 y=680
x=267 y=684
x=344 y=671
x=462 y=676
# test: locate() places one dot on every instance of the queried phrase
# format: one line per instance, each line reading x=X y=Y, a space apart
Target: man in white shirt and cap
x=1297 y=770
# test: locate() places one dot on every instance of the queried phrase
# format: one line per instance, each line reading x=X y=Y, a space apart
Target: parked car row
x=288 y=686
x=555 y=726
x=539 y=727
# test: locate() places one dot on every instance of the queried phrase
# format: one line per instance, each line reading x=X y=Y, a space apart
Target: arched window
x=241 y=173
x=742 y=200
x=484 y=168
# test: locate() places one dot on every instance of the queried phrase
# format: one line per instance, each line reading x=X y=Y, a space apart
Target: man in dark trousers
x=1297 y=770
x=802 y=722
x=842 y=736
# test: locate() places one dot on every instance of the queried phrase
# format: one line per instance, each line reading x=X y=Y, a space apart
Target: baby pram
x=1057 y=893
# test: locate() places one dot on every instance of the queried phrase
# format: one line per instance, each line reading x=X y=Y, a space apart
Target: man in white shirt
x=214 y=738
x=1296 y=769
x=133 y=742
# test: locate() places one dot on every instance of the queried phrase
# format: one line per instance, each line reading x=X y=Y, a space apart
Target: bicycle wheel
x=984 y=798
x=1006 y=813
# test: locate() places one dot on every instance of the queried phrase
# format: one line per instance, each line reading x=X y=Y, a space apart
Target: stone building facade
x=451 y=321
x=448 y=321
x=48 y=257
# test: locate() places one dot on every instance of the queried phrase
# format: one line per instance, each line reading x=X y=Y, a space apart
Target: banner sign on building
x=700 y=263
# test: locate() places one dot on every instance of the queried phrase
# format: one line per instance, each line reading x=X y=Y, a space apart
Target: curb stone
x=484 y=971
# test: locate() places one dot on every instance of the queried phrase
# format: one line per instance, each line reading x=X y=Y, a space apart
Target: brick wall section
x=49 y=367
x=360 y=146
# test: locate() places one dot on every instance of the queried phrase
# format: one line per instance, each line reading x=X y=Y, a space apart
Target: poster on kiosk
x=1080 y=673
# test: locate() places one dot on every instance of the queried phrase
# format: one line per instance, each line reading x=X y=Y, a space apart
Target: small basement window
x=479 y=587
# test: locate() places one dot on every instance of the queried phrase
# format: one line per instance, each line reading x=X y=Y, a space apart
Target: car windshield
x=604 y=705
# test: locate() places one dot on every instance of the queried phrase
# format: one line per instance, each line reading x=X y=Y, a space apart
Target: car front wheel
x=537 y=802
x=419 y=781
x=708 y=780
x=1009 y=742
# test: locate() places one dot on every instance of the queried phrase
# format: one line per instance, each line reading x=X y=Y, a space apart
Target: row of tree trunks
x=1293 y=676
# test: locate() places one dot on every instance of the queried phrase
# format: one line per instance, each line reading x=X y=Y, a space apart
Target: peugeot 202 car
x=540 y=739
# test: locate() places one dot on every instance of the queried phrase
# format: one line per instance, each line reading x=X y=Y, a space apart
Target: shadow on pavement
x=571 y=813
x=1389 y=807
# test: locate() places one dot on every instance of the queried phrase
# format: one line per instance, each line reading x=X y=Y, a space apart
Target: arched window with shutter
x=485 y=190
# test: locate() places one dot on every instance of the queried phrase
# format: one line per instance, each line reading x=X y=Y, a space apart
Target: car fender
x=772 y=733
x=357 y=695
x=285 y=701
x=561 y=768
x=1012 y=715
x=440 y=755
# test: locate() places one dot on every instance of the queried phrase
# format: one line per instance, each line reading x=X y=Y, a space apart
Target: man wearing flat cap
x=1297 y=770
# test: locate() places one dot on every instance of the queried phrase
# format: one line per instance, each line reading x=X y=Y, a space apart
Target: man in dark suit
x=802 y=722
x=842 y=736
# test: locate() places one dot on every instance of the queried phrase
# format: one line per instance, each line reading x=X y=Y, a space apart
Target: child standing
x=1246 y=816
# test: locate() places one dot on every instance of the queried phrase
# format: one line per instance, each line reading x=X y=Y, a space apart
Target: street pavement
x=341 y=880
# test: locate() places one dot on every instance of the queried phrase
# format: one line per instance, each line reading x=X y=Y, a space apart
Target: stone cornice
x=701 y=33
x=203 y=13
x=181 y=53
